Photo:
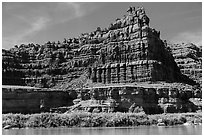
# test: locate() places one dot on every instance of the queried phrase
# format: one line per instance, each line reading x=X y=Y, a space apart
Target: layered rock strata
x=136 y=98
x=21 y=99
x=128 y=51
x=138 y=56
x=189 y=59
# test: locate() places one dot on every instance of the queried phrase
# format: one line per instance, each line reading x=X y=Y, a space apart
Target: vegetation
x=85 y=119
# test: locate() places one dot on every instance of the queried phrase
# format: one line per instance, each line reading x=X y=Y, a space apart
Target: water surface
x=140 y=130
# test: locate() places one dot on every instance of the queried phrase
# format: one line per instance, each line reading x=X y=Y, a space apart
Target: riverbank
x=84 y=119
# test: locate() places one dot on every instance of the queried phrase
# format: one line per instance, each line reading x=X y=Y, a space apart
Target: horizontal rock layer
x=29 y=100
x=128 y=51
x=56 y=64
x=189 y=59
x=136 y=98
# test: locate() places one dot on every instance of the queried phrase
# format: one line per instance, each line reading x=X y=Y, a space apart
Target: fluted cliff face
x=189 y=59
x=41 y=66
x=125 y=52
x=128 y=52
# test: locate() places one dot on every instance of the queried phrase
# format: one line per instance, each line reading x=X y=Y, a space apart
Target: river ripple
x=140 y=130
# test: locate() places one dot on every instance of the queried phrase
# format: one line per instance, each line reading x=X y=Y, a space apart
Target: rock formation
x=189 y=59
x=129 y=51
x=21 y=99
x=136 y=98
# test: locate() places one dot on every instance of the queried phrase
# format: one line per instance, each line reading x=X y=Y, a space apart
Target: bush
x=86 y=119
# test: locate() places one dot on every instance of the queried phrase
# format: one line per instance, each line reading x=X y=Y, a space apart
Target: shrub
x=86 y=119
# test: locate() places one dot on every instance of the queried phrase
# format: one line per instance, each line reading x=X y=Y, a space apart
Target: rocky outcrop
x=189 y=59
x=129 y=51
x=134 y=52
x=21 y=99
x=152 y=98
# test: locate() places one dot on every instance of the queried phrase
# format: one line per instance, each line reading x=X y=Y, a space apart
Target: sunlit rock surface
x=128 y=52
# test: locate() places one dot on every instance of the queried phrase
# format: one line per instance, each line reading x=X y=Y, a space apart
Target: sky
x=38 y=23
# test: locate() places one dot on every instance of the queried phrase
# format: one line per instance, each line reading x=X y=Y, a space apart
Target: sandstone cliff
x=128 y=51
x=188 y=57
x=125 y=66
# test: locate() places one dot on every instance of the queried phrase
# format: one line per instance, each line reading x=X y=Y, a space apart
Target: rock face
x=128 y=51
x=150 y=99
x=134 y=52
x=189 y=59
x=21 y=99
x=11 y=75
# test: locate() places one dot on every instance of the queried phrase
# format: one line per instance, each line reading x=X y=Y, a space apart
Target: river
x=140 y=130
